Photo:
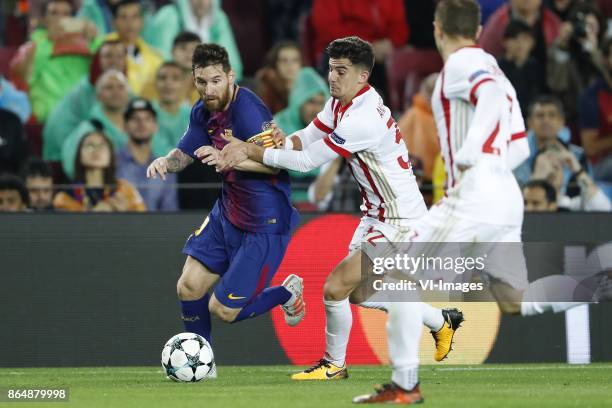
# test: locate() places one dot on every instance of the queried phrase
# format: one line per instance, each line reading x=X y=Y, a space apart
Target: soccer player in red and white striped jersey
x=356 y=125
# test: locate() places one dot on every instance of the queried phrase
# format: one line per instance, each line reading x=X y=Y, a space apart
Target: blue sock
x=263 y=302
x=196 y=317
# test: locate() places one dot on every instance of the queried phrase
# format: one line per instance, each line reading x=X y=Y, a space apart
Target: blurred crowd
x=92 y=91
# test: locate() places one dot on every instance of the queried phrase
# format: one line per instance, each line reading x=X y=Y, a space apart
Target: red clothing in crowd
x=492 y=38
x=370 y=20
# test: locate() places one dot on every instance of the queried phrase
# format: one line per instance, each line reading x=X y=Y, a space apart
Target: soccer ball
x=187 y=357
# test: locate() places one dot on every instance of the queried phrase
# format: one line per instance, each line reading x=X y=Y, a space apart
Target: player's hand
x=278 y=136
x=159 y=166
x=232 y=155
x=208 y=155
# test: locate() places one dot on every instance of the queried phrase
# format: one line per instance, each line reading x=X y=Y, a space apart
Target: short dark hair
x=547 y=100
x=272 y=55
x=356 y=50
x=36 y=167
x=549 y=190
x=10 y=182
x=186 y=37
x=206 y=55
x=115 y=7
x=516 y=28
x=110 y=178
x=48 y=2
x=458 y=18
x=168 y=64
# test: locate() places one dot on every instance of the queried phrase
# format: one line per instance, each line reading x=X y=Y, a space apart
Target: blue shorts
x=246 y=261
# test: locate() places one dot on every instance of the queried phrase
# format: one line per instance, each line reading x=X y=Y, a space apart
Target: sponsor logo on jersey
x=337 y=138
x=231 y=296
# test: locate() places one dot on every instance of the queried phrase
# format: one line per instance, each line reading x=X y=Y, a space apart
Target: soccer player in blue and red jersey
x=241 y=243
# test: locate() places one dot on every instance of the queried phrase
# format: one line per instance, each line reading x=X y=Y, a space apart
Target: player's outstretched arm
x=173 y=162
x=210 y=156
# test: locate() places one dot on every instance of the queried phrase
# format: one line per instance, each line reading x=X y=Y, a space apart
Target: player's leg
x=403 y=333
x=192 y=289
x=510 y=286
x=345 y=277
x=243 y=291
x=206 y=260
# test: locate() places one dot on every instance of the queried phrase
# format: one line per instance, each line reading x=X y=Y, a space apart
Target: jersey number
x=404 y=164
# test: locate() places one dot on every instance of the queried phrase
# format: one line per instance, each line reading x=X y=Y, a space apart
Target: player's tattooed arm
x=177 y=160
x=173 y=162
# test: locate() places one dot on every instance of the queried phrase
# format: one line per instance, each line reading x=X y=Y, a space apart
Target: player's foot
x=391 y=394
x=323 y=370
x=444 y=337
x=295 y=308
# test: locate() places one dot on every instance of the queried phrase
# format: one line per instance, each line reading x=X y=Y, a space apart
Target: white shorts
x=370 y=230
x=440 y=224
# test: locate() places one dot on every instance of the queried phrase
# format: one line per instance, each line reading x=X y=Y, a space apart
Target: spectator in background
x=383 y=23
x=551 y=165
x=112 y=99
x=137 y=155
x=306 y=100
x=76 y=106
x=519 y=66
x=39 y=182
x=13 y=194
x=182 y=52
x=100 y=13
x=98 y=188
x=595 y=110
x=202 y=17
x=14 y=100
x=547 y=130
x=55 y=58
x=574 y=59
x=143 y=60
x=276 y=78
x=562 y=8
x=13 y=143
x=540 y=196
x=418 y=128
x=171 y=109
x=544 y=23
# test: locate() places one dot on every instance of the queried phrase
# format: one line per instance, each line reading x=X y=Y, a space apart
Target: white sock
x=339 y=320
x=536 y=296
x=374 y=305
x=432 y=317
x=404 y=332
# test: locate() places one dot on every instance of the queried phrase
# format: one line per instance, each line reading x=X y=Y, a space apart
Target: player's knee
x=512 y=308
x=333 y=290
x=186 y=290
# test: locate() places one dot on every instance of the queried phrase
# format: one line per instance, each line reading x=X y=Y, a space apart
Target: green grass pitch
x=525 y=385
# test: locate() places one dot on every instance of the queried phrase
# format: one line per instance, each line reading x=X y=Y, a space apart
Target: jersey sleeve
x=351 y=136
x=251 y=117
x=462 y=78
x=196 y=134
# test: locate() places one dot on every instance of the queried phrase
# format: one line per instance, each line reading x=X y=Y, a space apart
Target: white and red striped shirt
x=365 y=134
x=478 y=120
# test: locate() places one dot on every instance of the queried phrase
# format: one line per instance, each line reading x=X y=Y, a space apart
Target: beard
x=218 y=103
x=140 y=141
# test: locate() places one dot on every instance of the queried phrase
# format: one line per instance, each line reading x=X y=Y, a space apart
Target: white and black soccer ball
x=188 y=357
